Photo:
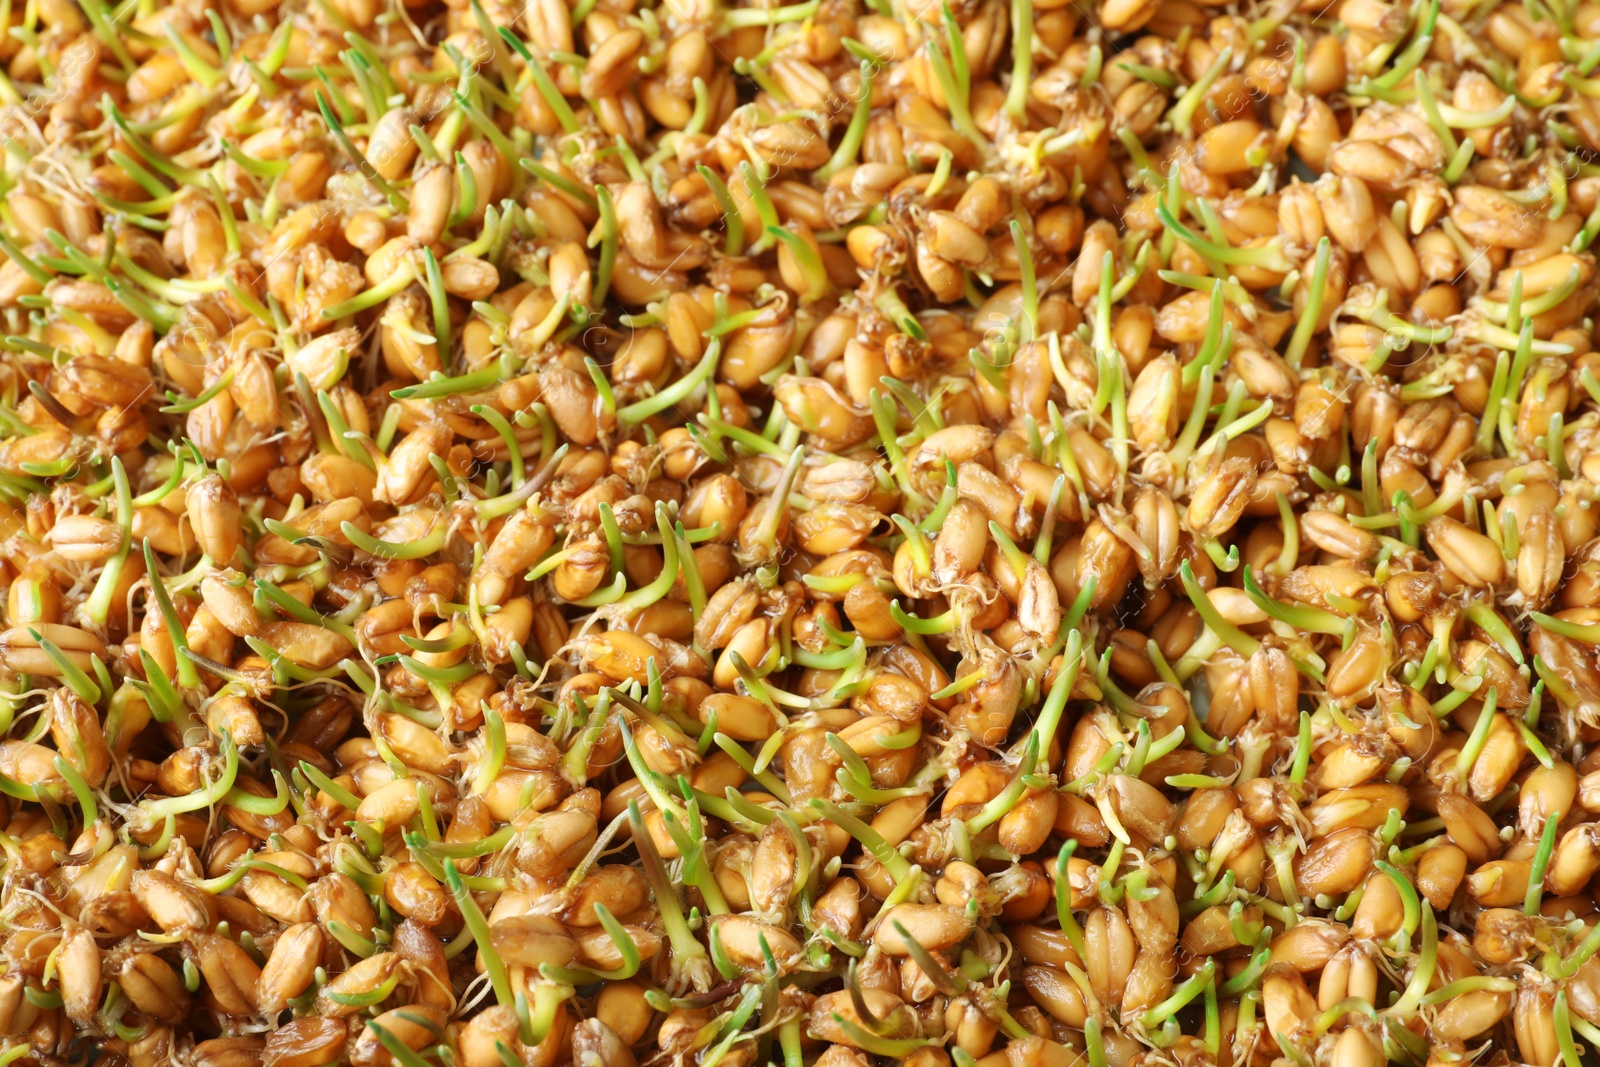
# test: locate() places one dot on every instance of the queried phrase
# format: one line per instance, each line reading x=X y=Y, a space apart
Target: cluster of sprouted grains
x=830 y=534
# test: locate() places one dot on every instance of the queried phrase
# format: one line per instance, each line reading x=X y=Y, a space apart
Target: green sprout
x=1541 y=861
x=854 y=134
x=551 y=178
x=818 y=285
x=1230 y=634
x=1165 y=1011
x=1294 y=355
x=626 y=946
x=1068 y=921
x=1300 y=616
x=1560 y=969
x=1587 y=633
x=396 y=199
x=205 y=797
x=1181 y=115
x=996 y=809
x=1409 y=60
x=1021 y=59
x=542 y=81
x=1563 y=1028
x=1478 y=738
x=741 y=18
x=954 y=78
x=473 y=917
x=608 y=240
x=895 y=864
x=688 y=954
x=402 y=1053
x=425 y=546
x=731 y=217
x=1411 y=903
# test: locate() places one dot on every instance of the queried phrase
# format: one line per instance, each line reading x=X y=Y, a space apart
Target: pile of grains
x=858 y=532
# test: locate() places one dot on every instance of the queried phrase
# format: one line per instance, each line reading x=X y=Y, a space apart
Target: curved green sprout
x=1181 y=115
x=689 y=837
x=207 y=795
x=740 y=18
x=1412 y=904
x=1477 y=983
x=1212 y=351
x=996 y=809
x=238 y=798
x=239 y=870
x=1230 y=634
x=300 y=612
x=753 y=814
x=678 y=391
x=1068 y=921
x=766 y=779
x=731 y=217
x=719 y=955
x=1181 y=996
x=1266 y=257
x=818 y=285
x=855 y=777
x=44 y=999
x=1299 y=616
x=1243 y=932
x=850 y=144
x=339 y=793
x=625 y=945
x=1250 y=977
x=425 y=546
x=1588 y=633
x=1561 y=969
x=1409 y=60
x=895 y=1048
x=898 y=867
x=483 y=847
x=943 y=623
x=80 y=790
x=755 y=187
